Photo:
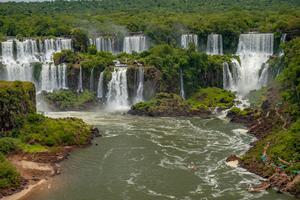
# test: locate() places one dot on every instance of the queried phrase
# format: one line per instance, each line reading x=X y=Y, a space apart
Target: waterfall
x=92 y=80
x=53 y=77
x=104 y=43
x=18 y=56
x=263 y=78
x=228 y=82
x=140 y=89
x=254 y=50
x=214 y=44
x=79 y=88
x=136 y=43
x=282 y=41
x=52 y=46
x=100 y=86
x=187 y=39
x=182 y=93
x=117 y=96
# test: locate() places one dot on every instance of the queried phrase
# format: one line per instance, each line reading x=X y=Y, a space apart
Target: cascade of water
x=53 y=77
x=80 y=88
x=187 y=39
x=140 y=90
x=254 y=50
x=117 y=96
x=55 y=45
x=100 y=86
x=104 y=44
x=17 y=60
x=228 y=82
x=182 y=93
x=136 y=43
x=263 y=78
x=282 y=40
x=92 y=80
x=214 y=44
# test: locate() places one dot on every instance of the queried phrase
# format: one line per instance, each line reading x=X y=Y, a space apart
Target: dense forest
x=161 y=21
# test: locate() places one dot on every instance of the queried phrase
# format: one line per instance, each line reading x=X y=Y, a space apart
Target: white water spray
x=100 y=86
x=182 y=93
x=140 y=89
x=117 y=96
x=104 y=43
x=254 y=50
x=136 y=43
x=18 y=58
x=187 y=39
x=214 y=44
x=80 y=88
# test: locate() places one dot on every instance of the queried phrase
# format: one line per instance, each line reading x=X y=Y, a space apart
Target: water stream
x=141 y=158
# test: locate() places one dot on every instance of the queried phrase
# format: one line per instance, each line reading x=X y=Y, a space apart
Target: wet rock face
x=152 y=81
x=17 y=99
x=96 y=132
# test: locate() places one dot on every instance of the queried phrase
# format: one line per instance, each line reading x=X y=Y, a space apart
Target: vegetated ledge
x=276 y=154
x=32 y=144
x=66 y=100
x=202 y=103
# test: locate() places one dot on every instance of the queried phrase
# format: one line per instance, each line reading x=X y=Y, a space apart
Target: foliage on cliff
x=17 y=100
x=69 y=100
x=289 y=78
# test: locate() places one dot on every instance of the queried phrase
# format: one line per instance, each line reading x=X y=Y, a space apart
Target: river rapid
x=143 y=158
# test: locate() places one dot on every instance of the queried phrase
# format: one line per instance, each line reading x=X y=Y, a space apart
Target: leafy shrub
x=9 y=177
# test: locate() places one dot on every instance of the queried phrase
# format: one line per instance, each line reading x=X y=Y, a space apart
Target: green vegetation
x=283 y=145
x=163 y=104
x=17 y=100
x=24 y=130
x=69 y=100
x=53 y=132
x=289 y=78
x=212 y=98
x=257 y=97
x=9 y=177
x=201 y=103
x=162 y=21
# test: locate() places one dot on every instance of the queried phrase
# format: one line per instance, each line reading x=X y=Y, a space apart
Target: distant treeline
x=163 y=21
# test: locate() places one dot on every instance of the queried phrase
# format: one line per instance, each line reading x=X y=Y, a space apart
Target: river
x=142 y=158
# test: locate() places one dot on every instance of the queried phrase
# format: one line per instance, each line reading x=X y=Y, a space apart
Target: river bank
x=145 y=157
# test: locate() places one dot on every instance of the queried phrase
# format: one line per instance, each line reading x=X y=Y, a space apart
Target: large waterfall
x=187 y=39
x=251 y=73
x=140 y=89
x=214 y=44
x=104 y=43
x=100 y=86
x=19 y=59
x=136 y=43
x=117 y=96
